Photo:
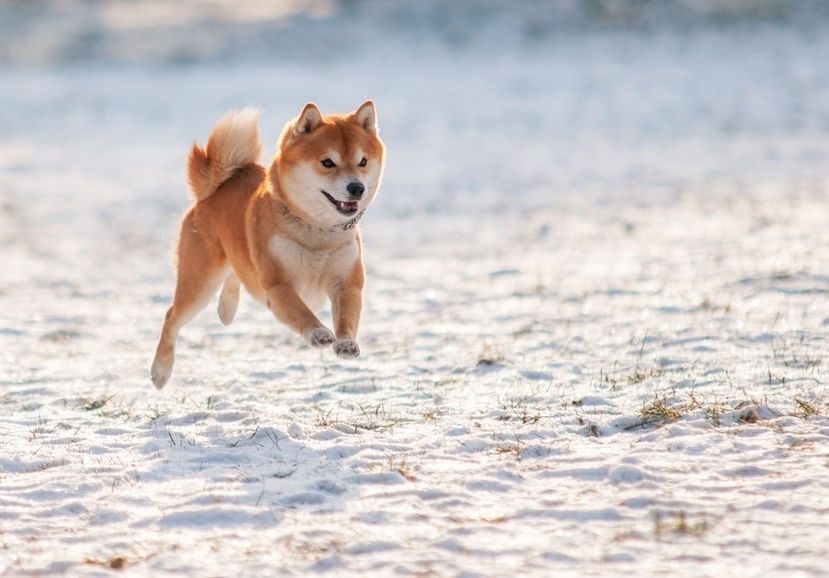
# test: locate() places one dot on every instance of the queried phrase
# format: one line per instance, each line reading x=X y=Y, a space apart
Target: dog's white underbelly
x=312 y=272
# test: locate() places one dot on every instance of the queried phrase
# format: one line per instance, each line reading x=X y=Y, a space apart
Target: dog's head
x=328 y=168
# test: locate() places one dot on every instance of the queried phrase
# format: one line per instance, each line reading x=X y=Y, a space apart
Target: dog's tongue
x=347 y=205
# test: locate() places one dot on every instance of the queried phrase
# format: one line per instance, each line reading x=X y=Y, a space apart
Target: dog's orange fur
x=253 y=228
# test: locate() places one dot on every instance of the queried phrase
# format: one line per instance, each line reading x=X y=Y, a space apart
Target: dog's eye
x=328 y=163
x=363 y=162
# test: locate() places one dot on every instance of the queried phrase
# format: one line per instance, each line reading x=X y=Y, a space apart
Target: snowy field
x=594 y=336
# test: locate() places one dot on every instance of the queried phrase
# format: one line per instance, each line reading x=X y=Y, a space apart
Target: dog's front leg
x=346 y=305
x=291 y=310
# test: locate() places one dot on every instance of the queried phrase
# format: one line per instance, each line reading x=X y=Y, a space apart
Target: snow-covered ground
x=594 y=335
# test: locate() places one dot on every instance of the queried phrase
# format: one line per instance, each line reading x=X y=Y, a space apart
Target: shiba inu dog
x=287 y=233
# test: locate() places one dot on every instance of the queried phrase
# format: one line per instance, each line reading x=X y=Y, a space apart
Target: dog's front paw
x=319 y=337
x=160 y=371
x=346 y=348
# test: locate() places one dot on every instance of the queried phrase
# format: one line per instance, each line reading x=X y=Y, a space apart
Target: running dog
x=287 y=233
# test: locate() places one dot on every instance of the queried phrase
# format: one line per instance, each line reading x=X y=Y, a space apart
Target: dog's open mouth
x=346 y=208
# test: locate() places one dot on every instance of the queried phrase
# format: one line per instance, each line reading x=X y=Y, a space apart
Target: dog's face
x=329 y=167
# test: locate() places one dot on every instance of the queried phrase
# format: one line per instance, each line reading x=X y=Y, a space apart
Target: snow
x=593 y=340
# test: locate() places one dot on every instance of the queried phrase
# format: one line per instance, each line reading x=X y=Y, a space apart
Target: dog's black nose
x=356 y=190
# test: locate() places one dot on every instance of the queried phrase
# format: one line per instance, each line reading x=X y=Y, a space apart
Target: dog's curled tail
x=233 y=143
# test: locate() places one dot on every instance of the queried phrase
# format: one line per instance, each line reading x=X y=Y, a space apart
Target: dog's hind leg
x=229 y=299
x=202 y=268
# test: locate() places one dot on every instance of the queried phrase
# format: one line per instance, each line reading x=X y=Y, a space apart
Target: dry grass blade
x=658 y=411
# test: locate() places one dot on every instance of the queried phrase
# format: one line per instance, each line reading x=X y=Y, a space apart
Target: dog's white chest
x=312 y=271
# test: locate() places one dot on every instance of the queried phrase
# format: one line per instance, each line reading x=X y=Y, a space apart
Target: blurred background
x=60 y=32
x=487 y=107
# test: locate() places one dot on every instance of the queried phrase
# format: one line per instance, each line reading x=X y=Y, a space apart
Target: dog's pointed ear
x=366 y=116
x=309 y=119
